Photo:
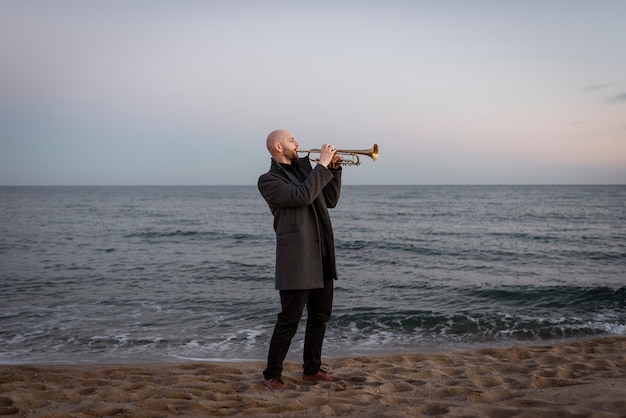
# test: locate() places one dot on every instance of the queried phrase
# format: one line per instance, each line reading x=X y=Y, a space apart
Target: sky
x=185 y=92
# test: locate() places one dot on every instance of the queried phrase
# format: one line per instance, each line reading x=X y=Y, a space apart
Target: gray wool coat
x=297 y=222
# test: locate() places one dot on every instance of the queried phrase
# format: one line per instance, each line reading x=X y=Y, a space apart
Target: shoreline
x=576 y=378
x=294 y=355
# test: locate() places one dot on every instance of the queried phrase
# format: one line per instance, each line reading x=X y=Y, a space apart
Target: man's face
x=290 y=148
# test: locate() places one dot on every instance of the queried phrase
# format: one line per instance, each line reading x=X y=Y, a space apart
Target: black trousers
x=319 y=304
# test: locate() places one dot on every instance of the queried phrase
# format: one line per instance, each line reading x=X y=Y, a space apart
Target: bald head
x=278 y=136
x=282 y=146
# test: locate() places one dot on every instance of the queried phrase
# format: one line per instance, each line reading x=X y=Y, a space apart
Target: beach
x=584 y=378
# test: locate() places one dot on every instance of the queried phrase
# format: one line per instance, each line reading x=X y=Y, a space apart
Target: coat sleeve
x=280 y=192
x=333 y=188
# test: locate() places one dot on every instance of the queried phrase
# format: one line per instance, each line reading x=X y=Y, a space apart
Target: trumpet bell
x=373 y=153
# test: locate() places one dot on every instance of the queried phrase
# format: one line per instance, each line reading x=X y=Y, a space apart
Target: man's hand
x=327 y=154
x=336 y=161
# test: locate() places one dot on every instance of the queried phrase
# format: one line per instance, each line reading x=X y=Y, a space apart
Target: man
x=299 y=197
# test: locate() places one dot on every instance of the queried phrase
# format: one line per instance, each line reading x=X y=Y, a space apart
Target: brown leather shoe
x=321 y=376
x=275 y=383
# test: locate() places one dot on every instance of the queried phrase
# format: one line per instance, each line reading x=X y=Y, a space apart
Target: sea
x=128 y=275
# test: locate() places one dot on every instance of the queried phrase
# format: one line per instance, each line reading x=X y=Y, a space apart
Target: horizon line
x=344 y=185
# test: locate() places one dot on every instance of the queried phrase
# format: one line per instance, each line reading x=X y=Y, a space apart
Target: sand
x=573 y=379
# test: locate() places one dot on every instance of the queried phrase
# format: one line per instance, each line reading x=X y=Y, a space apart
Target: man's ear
x=278 y=147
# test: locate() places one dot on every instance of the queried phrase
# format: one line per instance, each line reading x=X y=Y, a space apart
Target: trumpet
x=351 y=153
